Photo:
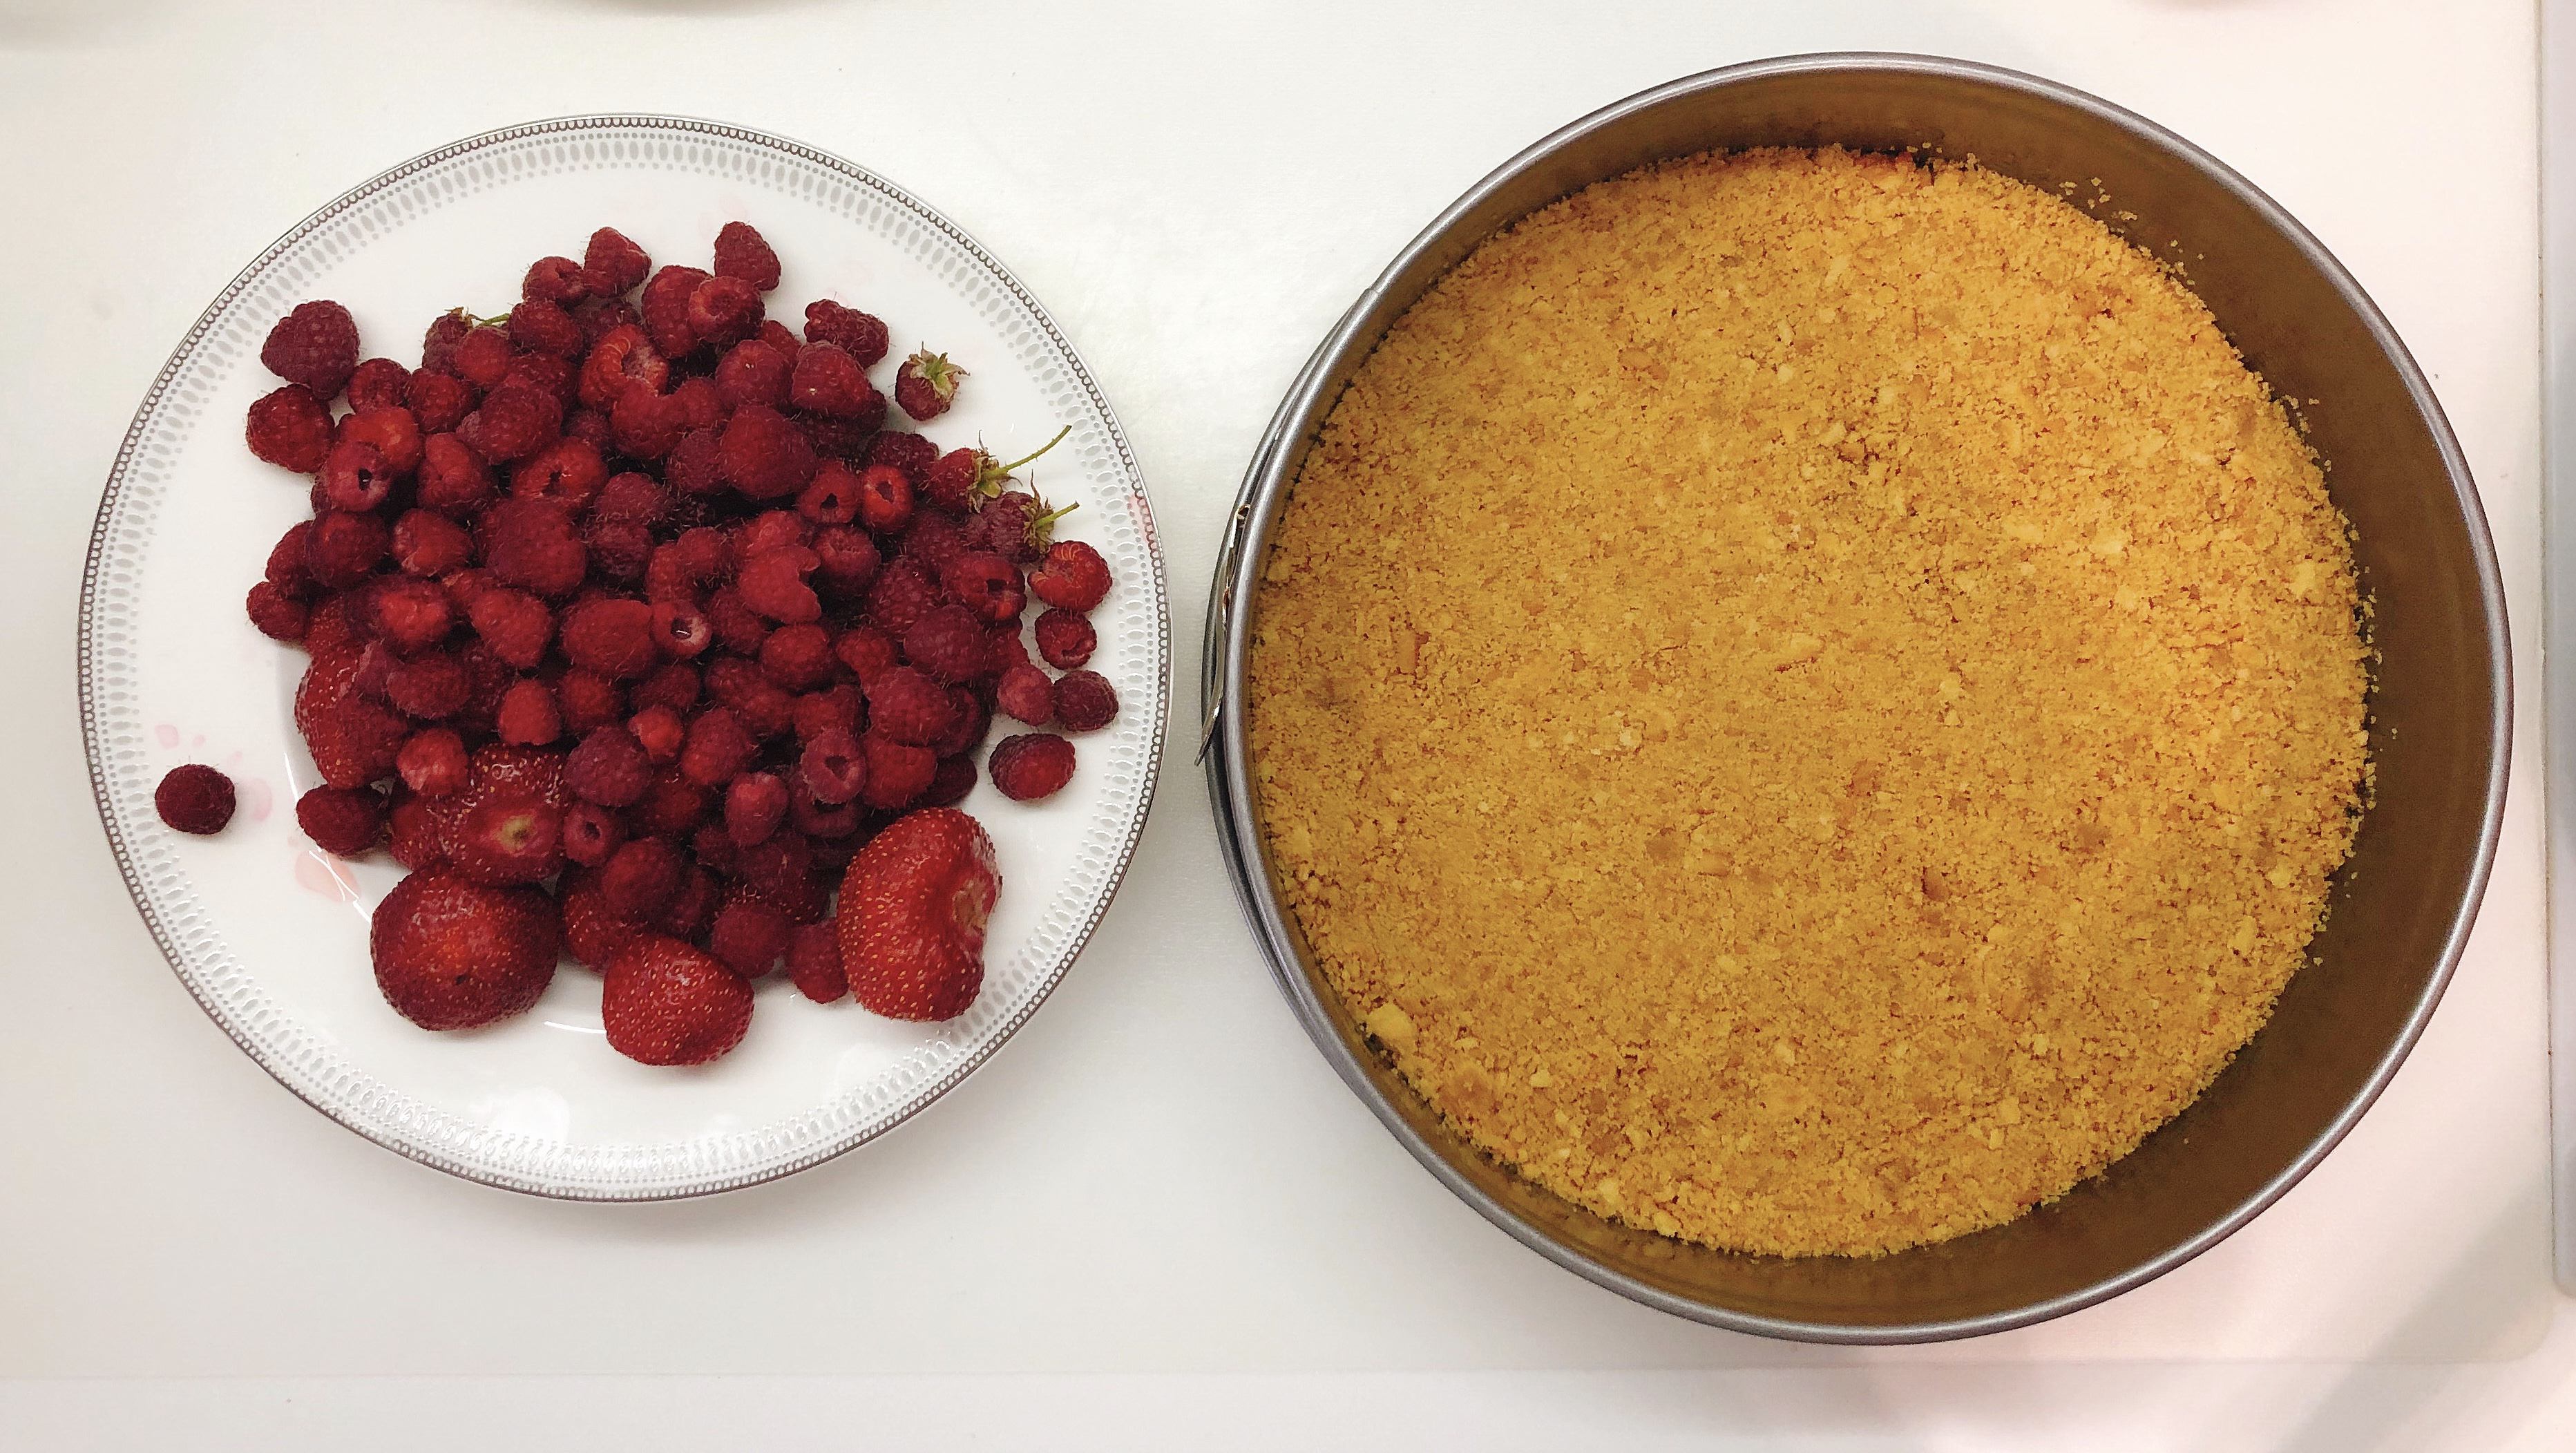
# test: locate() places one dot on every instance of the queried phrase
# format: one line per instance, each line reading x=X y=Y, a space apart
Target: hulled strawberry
x=913 y=909
x=450 y=954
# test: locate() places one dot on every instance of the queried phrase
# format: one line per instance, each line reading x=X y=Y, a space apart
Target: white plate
x=270 y=934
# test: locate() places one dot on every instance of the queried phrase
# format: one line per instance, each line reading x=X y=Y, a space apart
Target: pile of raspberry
x=639 y=598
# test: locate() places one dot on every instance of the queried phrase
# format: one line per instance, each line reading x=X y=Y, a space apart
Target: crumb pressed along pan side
x=1808 y=700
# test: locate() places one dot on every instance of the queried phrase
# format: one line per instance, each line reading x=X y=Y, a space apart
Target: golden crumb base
x=1807 y=700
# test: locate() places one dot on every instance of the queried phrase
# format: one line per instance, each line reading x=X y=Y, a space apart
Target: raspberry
x=540 y=325
x=1085 y=701
x=827 y=380
x=1026 y=694
x=516 y=625
x=680 y=630
x=429 y=544
x=483 y=357
x=612 y=637
x=902 y=594
x=410 y=614
x=513 y=422
x=1065 y=640
x=701 y=404
x=1071 y=577
x=696 y=463
x=833 y=497
x=769 y=530
x=614 y=262
x=1015 y=526
x=949 y=643
x=622 y=356
x=290 y=429
x=347 y=824
x=764 y=710
x=412 y=835
x=713 y=848
x=858 y=334
x=345 y=548
x=528 y=716
x=742 y=253
x=608 y=768
x=966 y=731
x=825 y=821
x=673 y=806
x=316 y=346
x=748 y=935
x=755 y=805
x=935 y=539
x=986 y=584
x=950 y=784
x=834 y=767
x=849 y=561
x=673 y=684
x=764 y=455
x=814 y=963
x=438 y=345
x=906 y=706
x=632 y=497
x=438 y=401
x=393 y=432
x=723 y=310
x=926 y=384
x=639 y=879
x=951 y=479
x=431 y=687
x=897 y=774
x=798 y=658
x=717 y=749
x=773 y=583
x=567 y=471
x=279 y=616
x=885 y=499
x=660 y=731
x=643 y=424
x=737 y=627
x=453 y=478
x=288 y=566
x=908 y=452
x=432 y=762
x=1008 y=649
x=665 y=309
x=618 y=549
x=837 y=708
x=194 y=799
x=590 y=833
x=753 y=372
x=588 y=701
x=531 y=543
x=692 y=907
x=777 y=868
x=555 y=280
x=378 y=383
x=864 y=650
x=1028 y=767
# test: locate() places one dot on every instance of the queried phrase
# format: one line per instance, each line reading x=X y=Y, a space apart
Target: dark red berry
x=1028 y=767
x=290 y=429
x=1065 y=640
x=1084 y=701
x=194 y=799
x=348 y=823
x=316 y=345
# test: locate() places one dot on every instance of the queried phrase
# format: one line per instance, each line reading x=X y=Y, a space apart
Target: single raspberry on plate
x=454 y=480
x=540 y=325
x=452 y=954
x=858 y=334
x=833 y=497
x=864 y=650
x=798 y=657
x=567 y=471
x=591 y=832
x=717 y=748
x=914 y=906
x=814 y=963
x=438 y=401
x=827 y=380
x=348 y=823
x=410 y=614
x=986 y=584
x=379 y=383
x=528 y=716
x=622 y=356
x=1066 y=640
x=532 y=543
x=885 y=499
x=290 y=428
x=949 y=643
x=753 y=372
x=950 y=482
x=741 y=252
x=898 y=773
x=393 y=431
x=316 y=345
x=438 y=345
x=289 y=565
x=661 y=731
x=1071 y=577
x=926 y=384
x=611 y=636
x=608 y=767
x=483 y=357
x=1026 y=694
x=614 y=262
x=764 y=455
x=723 y=311
x=555 y=280
x=1014 y=525
x=412 y=834
x=834 y=767
x=666 y=1003
x=912 y=453
x=354 y=476
x=516 y=625
x=773 y=584
x=1085 y=701
x=905 y=705
x=279 y=616
x=428 y=544
x=513 y=422
x=1030 y=766
x=664 y=307
x=432 y=762
x=432 y=686
x=194 y=798
x=748 y=935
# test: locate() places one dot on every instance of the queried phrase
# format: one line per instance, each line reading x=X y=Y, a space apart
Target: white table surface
x=1154 y=1220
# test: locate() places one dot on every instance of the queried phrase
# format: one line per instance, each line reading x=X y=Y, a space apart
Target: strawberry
x=507 y=825
x=913 y=909
x=354 y=740
x=450 y=954
x=665 y=1003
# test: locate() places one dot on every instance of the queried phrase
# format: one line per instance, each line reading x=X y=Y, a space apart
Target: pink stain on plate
x=318 y=872
x=257 y=798
x=166 y=734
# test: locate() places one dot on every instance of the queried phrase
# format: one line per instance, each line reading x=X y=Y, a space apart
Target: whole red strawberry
x=316 y=346
x=354 y=741
x=666 y=1003
x=913 y=909
x=450 y=954
x=925 y=385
